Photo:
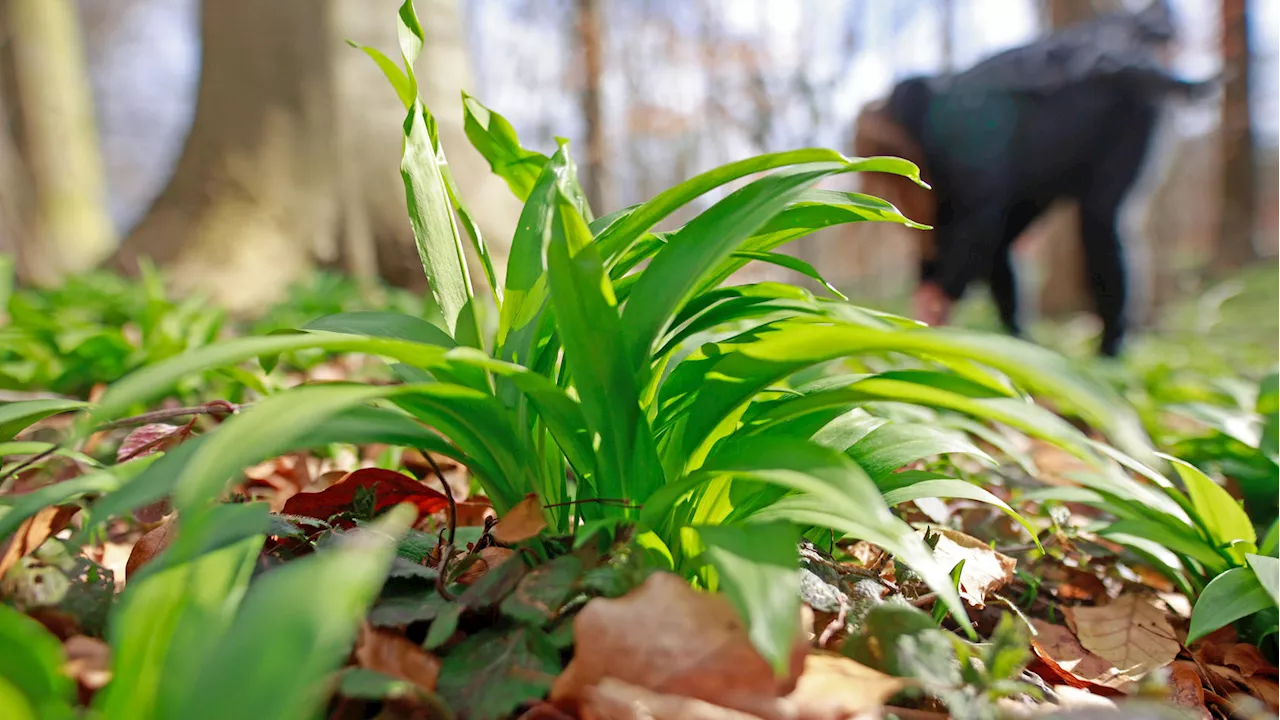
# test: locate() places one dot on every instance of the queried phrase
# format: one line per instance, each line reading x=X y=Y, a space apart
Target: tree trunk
x=249 y=206
x=66 y=227
x=1235 y=241
x=293 y=157
x=595 y=170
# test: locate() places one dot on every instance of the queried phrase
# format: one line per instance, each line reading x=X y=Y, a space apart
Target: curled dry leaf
x=833 y=687
x=475 y=513
x=150 y=439
x=490 y=558
x=1130 y=632
x=395 y=655
x=1186 y=689
x=88 y=663
x=33 y=532
x=1059 y=649
x=985 y=570
x=150 y=545
x=668 y=638
x=521 y=522
x=388 y=487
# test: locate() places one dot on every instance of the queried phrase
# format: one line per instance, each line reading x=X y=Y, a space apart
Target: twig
x=925 y=600
x=835 y=625
x=451 y=526
x=216 y=407
x=29 y=462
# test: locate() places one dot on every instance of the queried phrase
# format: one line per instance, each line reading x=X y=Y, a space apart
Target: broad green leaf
x=177 y=610
x=893 y=445
x=434 y=228
x=1268 y=571
x=1271 y=540
x=496 y=141
x=594 y=348
x=31 y=661
x=1233 y=595
x=1178 y=539
x=154 y=381
x=411 y=36
x=390 y=325
x=328 y=594
x=618 y=237
x=695 y=250
x=17 y=416
x=931 y=486
x=1222 y=516
x=791 y=263
x=759 y=570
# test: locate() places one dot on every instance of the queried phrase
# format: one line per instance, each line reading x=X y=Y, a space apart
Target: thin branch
x=29 y=462
x=216 y=407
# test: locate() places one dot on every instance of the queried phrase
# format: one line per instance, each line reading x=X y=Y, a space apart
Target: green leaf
x=695 y=250
x=496 y=141
x=540 y=595
x=791 y=263
x=154 y=381
x=392 y=325
x=929 y=485
x=759 y=570
x=17 y=416
x=328 y=594
x=594 y=348
x=1233 y=595
x=1177 y=539
x=9 y=449
x=1268 y=571
x=893 y=445
x=404 y=86
x=1223 y=518
x=31 y=662
x=177 y=610
x=618 y=237
x=491 y=673
x=434 y=228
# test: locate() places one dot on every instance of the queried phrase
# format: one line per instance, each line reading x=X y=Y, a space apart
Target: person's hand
x=932 y=306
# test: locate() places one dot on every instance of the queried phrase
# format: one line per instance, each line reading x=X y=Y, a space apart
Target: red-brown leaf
x=33 y=532
x=388 y=487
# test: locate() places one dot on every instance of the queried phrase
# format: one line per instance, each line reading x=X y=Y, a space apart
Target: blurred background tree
x=244 y=143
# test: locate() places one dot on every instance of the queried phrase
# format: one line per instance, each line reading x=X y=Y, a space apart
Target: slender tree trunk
x=589 y=31
x=1235 y=241
x=68 y=228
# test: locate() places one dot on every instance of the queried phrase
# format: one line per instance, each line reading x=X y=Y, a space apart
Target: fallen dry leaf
x=388 y=488
x=1130 y=632
x=670 y=639
x=984 y=571
x=151 y=439
x=395 y=655
x=613 y=699
x=150 y=545
x=475 y=513
x=1186 y=689
x=1266 y=690
x=521 y=522
x=490 y=558
x=88 y=663
x=1059 y=649
x=1248 y=660
x=833 y=687
x=33 y=532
